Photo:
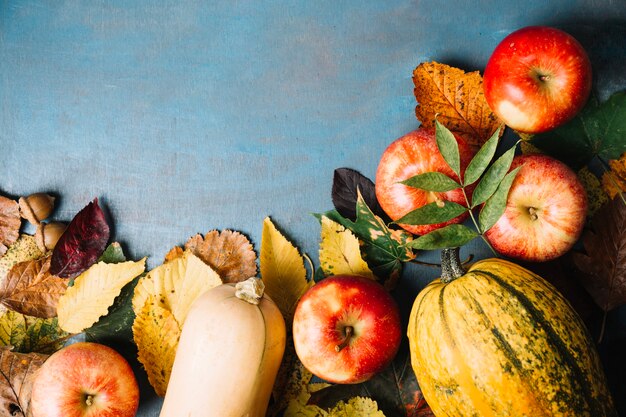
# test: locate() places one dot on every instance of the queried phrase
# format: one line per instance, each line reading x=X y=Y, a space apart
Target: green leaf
x=481 y=160
x=448 y=146
x=432 y=181
x=598 y=130
x=451 y=236
x=492 y=178
x=496 y=205
x=383 y=249
x=117 y=325
x=433 y=213
x=113 y=254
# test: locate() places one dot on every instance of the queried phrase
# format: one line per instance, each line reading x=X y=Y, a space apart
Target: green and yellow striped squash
x=500 y=341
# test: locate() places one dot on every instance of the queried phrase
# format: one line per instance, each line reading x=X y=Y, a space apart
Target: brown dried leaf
x=229 y=253
x=174 y=253
x=24 y=249
x=456 y=99
x=10 y=222
x=17 y=373
x=604 y=263
x=614 y=181
x=30 y=289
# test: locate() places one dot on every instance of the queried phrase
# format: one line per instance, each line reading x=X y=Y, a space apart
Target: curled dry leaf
x=30 y=289
x=17 y=373
x=174 y=253
x=614 y=181
x=10 y=222
x=455 y=98
x=93 y=293
x=282 y=270
x=82 y=243
x=156 y=333
x=604 y=263
x=24 y=249
x=229 y=253
x=340 y=251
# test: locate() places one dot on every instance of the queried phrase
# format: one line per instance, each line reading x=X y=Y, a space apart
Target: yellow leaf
x=93 y=293
x=12 y=329
x=456 y=99
x=176 y=285
x=356 y=407
x=156 y=334
x=282 y=270
x=340 y=251
x=24 y=249
x=596 y=196
x=30 y=334
x=614 y=181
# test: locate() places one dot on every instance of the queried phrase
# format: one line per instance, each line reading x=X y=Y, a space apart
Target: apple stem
x=348 y=331
x=451 y=265
x=533 y=213
x=89 y=400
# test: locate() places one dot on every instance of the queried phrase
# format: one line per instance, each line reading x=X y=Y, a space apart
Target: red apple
x=545 y=213
x=537 y=79
x=346 y=329
x=85 y=380
x=412 y=154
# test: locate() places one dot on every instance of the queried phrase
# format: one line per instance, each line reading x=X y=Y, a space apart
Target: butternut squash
x=228 y=356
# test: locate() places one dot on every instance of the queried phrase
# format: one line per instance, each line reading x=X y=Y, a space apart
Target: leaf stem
x=476 y=225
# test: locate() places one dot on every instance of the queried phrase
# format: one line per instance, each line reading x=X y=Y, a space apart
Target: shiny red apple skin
x=556 y=220
x=319 y=325
x=412 y=154
x=65 y=381
x=537 y=78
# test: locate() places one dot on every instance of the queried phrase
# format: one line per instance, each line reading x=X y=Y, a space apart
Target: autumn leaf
x=93 y=292
x=24 y=249
x=10 y=222
x=282 y=270
x=340 y=251
x=356 y=407
x=395 y=389
x=596 y=196
x=614 y=180
x=17 y=372
x=174 y=253
x=30 y=334
x=156 y=334
x=229 y=253
x=456 y=99
x=347 y=183
x=176 y=285
x=82 y=243
x=604 y=262
x=291 y=381
x=384 y=249
x=30 y=289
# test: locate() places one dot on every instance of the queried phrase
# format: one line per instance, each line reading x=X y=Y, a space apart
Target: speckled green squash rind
x=501 y=341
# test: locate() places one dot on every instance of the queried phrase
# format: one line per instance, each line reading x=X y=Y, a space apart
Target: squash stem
x=349 y=331
x=451 y=265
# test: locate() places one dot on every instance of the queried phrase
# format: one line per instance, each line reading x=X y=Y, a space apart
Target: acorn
x=47 y=235
x=36 y=207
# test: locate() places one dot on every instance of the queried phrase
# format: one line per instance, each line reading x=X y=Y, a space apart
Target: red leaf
x=82 y=243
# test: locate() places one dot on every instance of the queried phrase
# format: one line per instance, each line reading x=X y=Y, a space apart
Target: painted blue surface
x=187 y=116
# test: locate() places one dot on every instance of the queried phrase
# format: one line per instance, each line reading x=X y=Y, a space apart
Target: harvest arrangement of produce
x=222 y=328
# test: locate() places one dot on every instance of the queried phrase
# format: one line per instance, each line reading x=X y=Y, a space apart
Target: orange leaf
x=30 y=289
x=228 y=253
x=10 y=222
x=456 y=99
x=614 y=181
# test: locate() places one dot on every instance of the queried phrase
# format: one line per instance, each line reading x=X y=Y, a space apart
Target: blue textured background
x=187 y=116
